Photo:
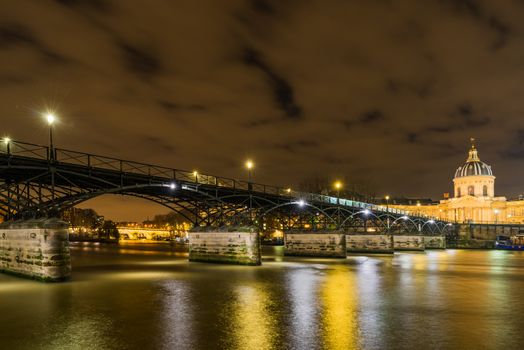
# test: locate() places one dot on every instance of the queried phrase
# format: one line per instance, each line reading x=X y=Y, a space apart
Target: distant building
x=474 y=197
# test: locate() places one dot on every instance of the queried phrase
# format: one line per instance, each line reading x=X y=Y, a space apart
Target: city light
x=366 y=211
x=405 y=217
x=50 y=118
x=249 y=164
x=7 y=140
x=338 y=185
x=172 y=185
x=387 y=198
x=301 y=202
x=288 y=190
x=195 y=173
x=431 y=221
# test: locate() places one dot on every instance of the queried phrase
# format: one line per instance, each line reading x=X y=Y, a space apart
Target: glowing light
x=496 y=211
x=301 y=202
x=195 y=173
x=50 y=118
x=288 y=190
x=249 y=164
x=387 y=198
x=418 y=204
x=431 y=221
x=366 y=211
x=405 y=217
x=172 y=186
x=338 y=185
x=7 y=140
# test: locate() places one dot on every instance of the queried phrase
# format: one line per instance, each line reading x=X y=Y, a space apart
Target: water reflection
x=254 y=324
x=120 y=298
x=339 y=300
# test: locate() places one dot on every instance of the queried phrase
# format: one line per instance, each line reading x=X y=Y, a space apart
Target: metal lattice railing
x=28 y=150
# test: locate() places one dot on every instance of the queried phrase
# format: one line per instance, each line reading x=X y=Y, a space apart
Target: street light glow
x=7 y=140
x=338 y=185
x=195 y=173
x=50 y=118
x=172 y=186
x=431 y=221
x=301 y=203
x=366 y=212
x=387 y=197
x=249 y=164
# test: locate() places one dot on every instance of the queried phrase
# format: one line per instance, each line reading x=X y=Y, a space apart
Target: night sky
x=382 y=91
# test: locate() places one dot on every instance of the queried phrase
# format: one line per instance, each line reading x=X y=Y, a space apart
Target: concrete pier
x=329 y=245
x=434 y=242
x=37 y=249
x=408 y=243
x=239 y=248
x=381 y=244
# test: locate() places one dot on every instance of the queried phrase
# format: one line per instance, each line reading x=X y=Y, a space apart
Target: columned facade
x=474 y=197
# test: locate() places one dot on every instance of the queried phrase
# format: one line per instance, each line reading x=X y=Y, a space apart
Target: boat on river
x=510 y=243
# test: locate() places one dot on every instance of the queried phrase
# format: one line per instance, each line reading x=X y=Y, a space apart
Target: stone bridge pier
x=37 y=249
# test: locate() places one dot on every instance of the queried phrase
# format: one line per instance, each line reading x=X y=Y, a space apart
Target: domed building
x=474 y=197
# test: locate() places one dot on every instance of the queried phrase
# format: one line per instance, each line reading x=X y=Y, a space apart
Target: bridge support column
x=37 y=249
x=408 y=243
x=434 y=242
x=329 y=245
x=380 y=244
x=239 y=248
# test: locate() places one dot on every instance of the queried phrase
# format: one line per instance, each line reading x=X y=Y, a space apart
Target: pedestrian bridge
x=39 y=181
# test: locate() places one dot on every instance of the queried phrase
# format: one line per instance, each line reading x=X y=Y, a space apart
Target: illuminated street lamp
x=496 y=211
x=387 y=211
x=51 y=119
x=249 y=166
x=195 y=174
x=338 y=186
x=7 y=142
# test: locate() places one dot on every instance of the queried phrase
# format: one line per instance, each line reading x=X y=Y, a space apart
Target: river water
x=148 y=296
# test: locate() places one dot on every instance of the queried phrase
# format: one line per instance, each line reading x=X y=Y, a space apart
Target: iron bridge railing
x=93 y=161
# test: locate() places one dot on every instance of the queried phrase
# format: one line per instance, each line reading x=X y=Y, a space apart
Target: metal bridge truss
x=38 y=181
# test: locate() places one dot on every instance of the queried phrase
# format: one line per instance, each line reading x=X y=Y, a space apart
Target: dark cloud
x=154 y=142
x=140 y=61
x=94 y=5
x=13 y=34
x=386 y=90
x=282 y=90
x=262 y=6
x=298 y=146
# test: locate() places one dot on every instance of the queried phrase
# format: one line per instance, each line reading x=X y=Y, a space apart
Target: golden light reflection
x=255 y=324
x=339 y=319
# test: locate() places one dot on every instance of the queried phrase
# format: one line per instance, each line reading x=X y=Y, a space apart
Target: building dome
x=473 y=166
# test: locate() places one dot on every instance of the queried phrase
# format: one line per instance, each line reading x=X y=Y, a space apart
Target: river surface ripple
x=148 y=296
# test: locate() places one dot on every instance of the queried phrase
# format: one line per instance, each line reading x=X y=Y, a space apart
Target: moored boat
x=510 y=243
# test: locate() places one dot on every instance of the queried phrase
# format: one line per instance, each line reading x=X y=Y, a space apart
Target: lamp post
x=50 y=118
x=195 y=174
x=249 y=166
x=7 y=142
x=338 y=186
x=387 y=212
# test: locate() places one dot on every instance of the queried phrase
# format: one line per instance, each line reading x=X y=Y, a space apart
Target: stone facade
x=331 y=245
x=242 y=248
x=37 y=249
x=434 y=242
x=369 y=244
x=408 y=242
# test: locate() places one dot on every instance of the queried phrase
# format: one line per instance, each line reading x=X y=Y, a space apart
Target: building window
x=485 y=190
x=471 y=190
x=458 y=192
